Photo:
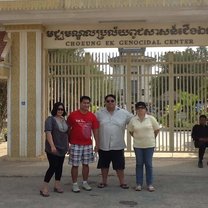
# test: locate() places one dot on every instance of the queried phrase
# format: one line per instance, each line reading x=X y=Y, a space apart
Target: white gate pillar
x=25 y=94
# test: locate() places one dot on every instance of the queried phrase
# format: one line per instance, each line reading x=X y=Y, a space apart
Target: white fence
x=174 y=86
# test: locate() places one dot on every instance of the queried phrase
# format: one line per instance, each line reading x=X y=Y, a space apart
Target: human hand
x=69 y=150
x=96 y=149
x=203 y=139
x=53 y=149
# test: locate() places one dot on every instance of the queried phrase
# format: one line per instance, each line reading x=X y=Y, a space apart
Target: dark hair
x=202 y=116
x=55 y=109
x=84 y=97
x=110 y=95
x=140 y=104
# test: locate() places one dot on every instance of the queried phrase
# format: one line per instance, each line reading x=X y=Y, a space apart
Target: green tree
x=186 y=106
x=186 y=64
x=190 y=84
x=3 y=103
x=75 y=63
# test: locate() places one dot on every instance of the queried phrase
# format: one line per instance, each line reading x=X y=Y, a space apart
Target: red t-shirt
x=81 y=127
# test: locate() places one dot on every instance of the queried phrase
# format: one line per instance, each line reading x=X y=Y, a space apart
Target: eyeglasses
x=60 y=109
x=110 y=101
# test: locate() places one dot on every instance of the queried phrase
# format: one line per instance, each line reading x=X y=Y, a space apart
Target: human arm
x=205 y=139
x=130 y=128
x=69 y=145
x=155 y=125
x=50 y=141
x=156 y=132
x=49 y=123
x=69 y=131
x=199 y=133
x=196 y=133
x=95 y=133
x=129 y=117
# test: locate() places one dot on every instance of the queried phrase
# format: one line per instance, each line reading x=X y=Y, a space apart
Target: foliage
x=193 y=62
x=83 y=70
x=3 y=103
x=184 y=111
x=190 y=86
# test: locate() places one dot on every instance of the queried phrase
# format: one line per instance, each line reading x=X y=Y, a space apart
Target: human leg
x=49 y=174
x=85 y=175
x=103 y=164
x=148 y=154
x=75 y=160
x=85 y=172
x=104 y=173
x=120 y=174
x=118 y=162
x=202 y=148
x=58 y=174
x=74 y=173
x=52 y=167
x=87 y=157
x=139 y=165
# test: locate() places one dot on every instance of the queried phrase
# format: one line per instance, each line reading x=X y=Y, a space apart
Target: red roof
x=2 y=44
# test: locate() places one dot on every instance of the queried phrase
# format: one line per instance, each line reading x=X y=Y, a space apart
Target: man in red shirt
x=81 y=123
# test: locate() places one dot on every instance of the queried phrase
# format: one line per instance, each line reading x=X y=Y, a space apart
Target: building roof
x=100 y=11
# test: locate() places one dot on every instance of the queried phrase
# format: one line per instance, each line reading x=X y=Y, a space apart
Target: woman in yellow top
x=144 y=128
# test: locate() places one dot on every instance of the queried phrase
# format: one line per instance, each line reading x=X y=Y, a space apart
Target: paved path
x=178 y=182
x=3 y=148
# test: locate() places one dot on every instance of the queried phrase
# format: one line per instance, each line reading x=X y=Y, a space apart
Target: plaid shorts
x=81 y=154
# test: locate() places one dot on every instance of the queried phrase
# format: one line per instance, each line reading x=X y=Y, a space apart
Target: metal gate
x=174 y=85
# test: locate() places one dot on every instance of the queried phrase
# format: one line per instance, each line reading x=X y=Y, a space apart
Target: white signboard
x=126 y=35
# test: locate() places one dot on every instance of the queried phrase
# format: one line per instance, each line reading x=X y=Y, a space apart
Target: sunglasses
x=110 y=101
x=141 y=107
x=60 y=109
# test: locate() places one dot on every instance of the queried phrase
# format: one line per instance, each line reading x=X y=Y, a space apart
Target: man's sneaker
x=200 y=164
x=75 y=188
x=138 y=188
x=86 y=187
x=150 y=188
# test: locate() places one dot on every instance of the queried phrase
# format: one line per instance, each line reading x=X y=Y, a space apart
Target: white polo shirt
x=143 y=131
x=112 y=128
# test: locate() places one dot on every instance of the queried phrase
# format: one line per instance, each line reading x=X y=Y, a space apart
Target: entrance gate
x=174 y=85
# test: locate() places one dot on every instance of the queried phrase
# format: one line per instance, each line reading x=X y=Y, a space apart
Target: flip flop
x=124 y=186
x=102 y=185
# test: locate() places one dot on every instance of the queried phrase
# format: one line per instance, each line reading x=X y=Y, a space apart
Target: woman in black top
x=56 y=146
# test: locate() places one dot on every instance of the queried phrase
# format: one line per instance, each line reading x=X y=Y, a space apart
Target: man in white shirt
x=113 y=121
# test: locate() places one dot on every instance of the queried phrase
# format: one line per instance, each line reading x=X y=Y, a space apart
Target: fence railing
x=174 y=86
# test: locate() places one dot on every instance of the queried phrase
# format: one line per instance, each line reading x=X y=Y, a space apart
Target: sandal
x=124 y=186
x=102 y=185
x=58 y=190
x=44 y=194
